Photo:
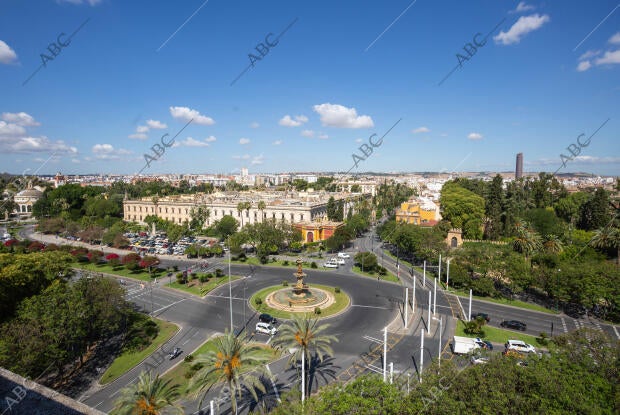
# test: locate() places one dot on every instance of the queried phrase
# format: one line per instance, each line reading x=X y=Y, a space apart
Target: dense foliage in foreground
x=581 y=375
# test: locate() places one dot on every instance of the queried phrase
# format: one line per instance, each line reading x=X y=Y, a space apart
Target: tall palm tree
x=305 y=336
x=526 y=240
x=148 y=396
x=262 y=206
x=607 y=237
x=247 y=206
x=553 y=244
x=240 y=207
x=226 y=365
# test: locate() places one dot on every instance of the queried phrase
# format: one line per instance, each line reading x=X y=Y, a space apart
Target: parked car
x=266 y=328
x=485 y=344
x=343 y=255
x=520 y=346
x=339 y=261
x=485 y=316
x=476 y=360
x=514 y=324
x=330 y=264
x=267 y=318
x=175 y=352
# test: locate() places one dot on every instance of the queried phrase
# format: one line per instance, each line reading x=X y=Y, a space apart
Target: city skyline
x=91 y=87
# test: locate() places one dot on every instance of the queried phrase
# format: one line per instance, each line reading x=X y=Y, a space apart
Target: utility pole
x=440 y=330
x=303 y=376
x=435 y=298
x=469 y=314
x=429 y=312
x=421 y=353
x=448 y=273
x=439 y=273
x=230 y=287
x=424 y=274
x=385 y=354
x=413 y=300
x=406 y=305
x=391 y=372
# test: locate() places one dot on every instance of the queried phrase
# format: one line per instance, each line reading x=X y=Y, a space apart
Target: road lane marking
x=369 y=306
x=170 y=305
x=275 y=389
x=564 y=325
x=616 y=331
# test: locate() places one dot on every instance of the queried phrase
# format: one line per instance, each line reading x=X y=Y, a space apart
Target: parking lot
x=159 y=244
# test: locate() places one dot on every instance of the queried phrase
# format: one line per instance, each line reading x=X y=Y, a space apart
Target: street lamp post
x=448 y=273
x=440 y=330
x=230 y=287
x=557 y=287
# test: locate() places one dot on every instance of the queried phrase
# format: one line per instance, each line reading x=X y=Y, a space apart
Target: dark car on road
x=174 y=353
x=267 y=318
x=485 y=316
x=513 y=324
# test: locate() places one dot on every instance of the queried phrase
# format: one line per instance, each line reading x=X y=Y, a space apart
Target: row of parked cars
x=159 y=244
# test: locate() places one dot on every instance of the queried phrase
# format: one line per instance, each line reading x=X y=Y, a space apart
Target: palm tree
x=226 y=365
x=148 y=396
x=607 y=237
x=527 y=241
x=240 y=207
x=553 y=244
x=305 y=335
x=247 y=206
x=262 y=206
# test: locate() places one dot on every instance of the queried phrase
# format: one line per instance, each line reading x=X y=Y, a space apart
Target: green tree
x=148 y=396
x=595 y=212
x=306 y=336
x=606 y=238
x=461 y=206
x=226 y=226
x=261 y=207
x=228 y=366
x=494 y=202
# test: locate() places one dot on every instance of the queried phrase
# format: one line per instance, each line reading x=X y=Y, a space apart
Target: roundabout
x=323 y=301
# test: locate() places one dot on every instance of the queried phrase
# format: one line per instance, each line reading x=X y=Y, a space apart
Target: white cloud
x=615 y=39
x=584 y=66
x=243 y=157
x=76 y=161
x=334 y=115
x=323 y=136
x=142 y=129
x=589 y=54
x=7 y=55
x=523 y=7
x=254 y=125
x=307 y=133
x=210 y=139
x=108 y=152
x=244 y=141
x=609 y=58
x=186 y=114
x=522 y=27
x=421 y=130
x=91 y=2
x=11 y=130
x=156 y=125
x=358 y=140
x=287 y=121
x=192 y=142
x=277 y=142
x=20 y=118
x=138 y=136
x=257 y=160
x=475 y=136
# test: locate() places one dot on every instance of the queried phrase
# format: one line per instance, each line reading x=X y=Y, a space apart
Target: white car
x=343 y=255
x=339 y=261
x=266 y=328
x=520 y=346
x=330 y=264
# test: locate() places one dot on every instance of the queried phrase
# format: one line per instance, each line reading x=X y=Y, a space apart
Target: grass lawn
x=388 y=277
x=122 y=271
x=505 y=301
x=126 y=361
x=177 y=373
x=251 y=260
x=496 y=335
x=342 y=302
x=206 y=287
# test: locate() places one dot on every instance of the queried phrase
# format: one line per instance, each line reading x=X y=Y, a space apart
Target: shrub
x=242 y=257
x=175 y=268
x=258 y=301
x=474 y=327
x=313 y=265
x=317 y=310
x=264 y=259
x=284 y=283
x=203 y=278
x=189 y=358
x=285 y=262
x=337 y=290
x=193 y=276
x=219 y=273
x=209 y=275
x=180 y=278
x=542 y=339
x=382 y=271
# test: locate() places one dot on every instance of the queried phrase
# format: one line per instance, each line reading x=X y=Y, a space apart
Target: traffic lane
x=187 y=339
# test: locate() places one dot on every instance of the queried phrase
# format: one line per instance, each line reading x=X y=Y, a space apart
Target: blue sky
x=343 y=70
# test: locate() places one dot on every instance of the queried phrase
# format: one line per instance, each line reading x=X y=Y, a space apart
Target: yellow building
x=317 y=231
x=418 y=211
